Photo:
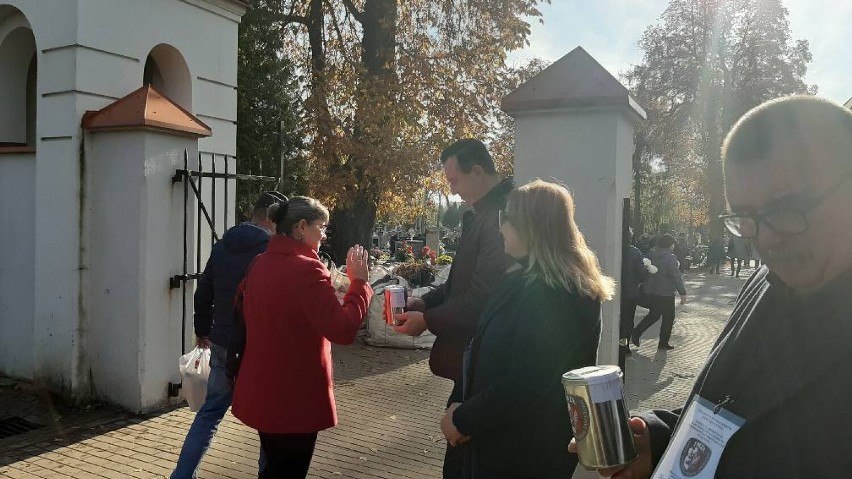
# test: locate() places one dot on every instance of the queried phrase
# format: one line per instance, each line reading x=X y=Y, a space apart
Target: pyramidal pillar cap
x=145 y=109
x=574 y=81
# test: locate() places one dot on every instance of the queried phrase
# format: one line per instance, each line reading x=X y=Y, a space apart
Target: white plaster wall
x=114 y=199
x=137 y=244
x=56 y=341
x=58 y=327
x=89 y=53
x=207 y=41
x=587 y=151
x=162 y=256
x=17 y=260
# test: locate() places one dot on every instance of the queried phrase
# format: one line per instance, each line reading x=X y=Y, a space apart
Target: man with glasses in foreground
x=772 y=399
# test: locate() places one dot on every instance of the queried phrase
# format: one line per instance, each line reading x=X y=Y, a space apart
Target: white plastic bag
x=194 y=370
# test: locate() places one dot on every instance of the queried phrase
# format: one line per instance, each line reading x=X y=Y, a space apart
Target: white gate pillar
x=135 y=221
x=574 y=124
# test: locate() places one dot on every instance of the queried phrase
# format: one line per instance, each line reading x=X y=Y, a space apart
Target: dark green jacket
x=514 y=407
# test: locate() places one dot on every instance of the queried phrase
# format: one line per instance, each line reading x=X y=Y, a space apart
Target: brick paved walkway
x=388 y=402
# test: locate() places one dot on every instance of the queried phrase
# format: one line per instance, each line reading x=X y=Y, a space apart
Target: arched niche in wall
x=166 y=71
x=18 y=80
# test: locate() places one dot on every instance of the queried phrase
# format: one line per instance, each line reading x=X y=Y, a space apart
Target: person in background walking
x=715 y=255
x=284 y=387
x=660 y=289
x=681 y=252
x=543 y=320
x=633 y=274
x=214 y=318
x=739 y=250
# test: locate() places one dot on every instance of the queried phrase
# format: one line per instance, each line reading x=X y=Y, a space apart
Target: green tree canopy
x=269 y=113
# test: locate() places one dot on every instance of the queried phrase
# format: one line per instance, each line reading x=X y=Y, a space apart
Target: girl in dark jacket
x=542 y=321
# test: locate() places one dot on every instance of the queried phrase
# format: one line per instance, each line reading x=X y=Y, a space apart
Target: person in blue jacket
x=214 y=323
x=660 y=289
x=633 y=274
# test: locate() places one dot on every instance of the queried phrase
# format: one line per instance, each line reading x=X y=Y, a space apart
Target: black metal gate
x=205 y=226
x=625 y=240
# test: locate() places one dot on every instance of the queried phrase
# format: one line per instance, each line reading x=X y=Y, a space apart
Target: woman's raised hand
x=357 y=263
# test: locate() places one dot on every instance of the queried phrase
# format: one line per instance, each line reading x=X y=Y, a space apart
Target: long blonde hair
x=542 y=213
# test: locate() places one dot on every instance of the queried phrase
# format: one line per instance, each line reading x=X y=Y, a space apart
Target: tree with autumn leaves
x=706 y=63
x=388 y=84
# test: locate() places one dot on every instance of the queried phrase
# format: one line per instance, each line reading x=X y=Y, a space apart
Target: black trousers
x=478 y=471
x=659 y=306
x=454 y=458
x=715 y=266
x=736 y=265
x=288 y=456
x=628 y=314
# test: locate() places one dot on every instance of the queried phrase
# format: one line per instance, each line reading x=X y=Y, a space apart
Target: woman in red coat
x=292 y=315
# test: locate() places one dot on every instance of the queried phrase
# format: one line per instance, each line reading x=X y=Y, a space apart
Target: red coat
x=292 y=316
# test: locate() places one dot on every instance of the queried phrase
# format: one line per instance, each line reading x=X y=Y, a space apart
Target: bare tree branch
x=337 y=30
x=354 y=10
x=294 y=19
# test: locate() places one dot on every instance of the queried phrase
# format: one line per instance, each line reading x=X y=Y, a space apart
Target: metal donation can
x=599 y=417
x=395 y=298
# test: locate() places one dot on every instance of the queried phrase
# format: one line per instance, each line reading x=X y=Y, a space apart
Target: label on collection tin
x=579 y=411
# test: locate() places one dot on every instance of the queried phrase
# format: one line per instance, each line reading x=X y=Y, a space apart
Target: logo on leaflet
x=694 y=457
x=579 y=411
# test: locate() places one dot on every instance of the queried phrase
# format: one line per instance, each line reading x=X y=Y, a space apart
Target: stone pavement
x=388 y=402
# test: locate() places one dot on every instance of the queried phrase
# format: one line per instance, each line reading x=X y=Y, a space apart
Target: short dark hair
x=469 y=152
x=263 y=203
x=665 y=241
x=797 y=119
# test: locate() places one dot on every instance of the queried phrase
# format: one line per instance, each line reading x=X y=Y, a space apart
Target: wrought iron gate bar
x=192 y=179
x=179 y=174
x=213 y=237
x=176 y=280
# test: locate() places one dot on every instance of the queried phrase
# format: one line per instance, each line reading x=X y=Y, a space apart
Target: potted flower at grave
x=417 y=273
x=404 y=253
x=429 y=255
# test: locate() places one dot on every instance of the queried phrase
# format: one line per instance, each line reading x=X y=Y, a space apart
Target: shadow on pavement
x=643 y=376
x=359 y=360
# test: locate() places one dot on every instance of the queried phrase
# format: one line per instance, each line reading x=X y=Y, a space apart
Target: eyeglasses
x=503 y=218
x=783 y=223
x=323 y=227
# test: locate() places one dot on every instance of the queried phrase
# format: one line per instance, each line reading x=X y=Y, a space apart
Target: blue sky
x=609 y=30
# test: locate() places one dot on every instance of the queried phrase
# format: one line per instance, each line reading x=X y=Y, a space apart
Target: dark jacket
x=634 y=272
x=214 y=297
x=478 y=267
x=783 y=360
x=716 y=252
x=514 y=406
x=668 y=278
